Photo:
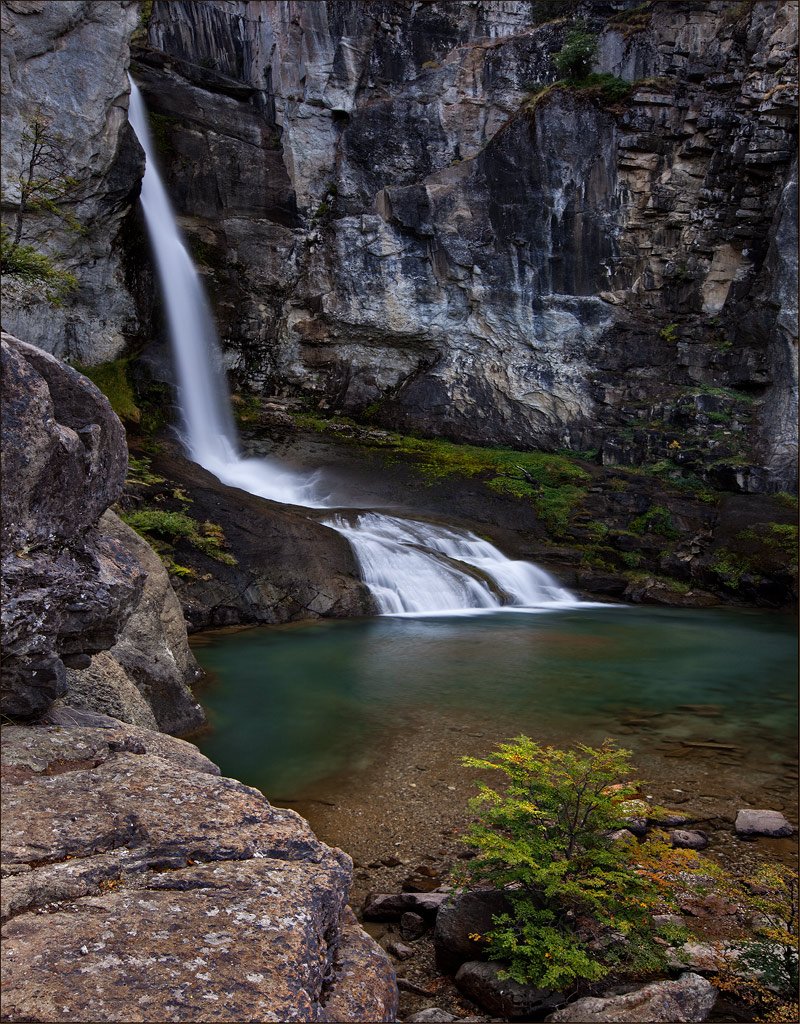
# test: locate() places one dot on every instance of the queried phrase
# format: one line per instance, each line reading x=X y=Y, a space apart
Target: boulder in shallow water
x=690 y=998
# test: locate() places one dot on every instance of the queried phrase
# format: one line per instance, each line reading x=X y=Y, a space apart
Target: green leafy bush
x=580 y=907
x=112 y=379
x=656 y=520
x=578 y=54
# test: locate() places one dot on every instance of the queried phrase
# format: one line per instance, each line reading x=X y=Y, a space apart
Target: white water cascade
x=410 y=567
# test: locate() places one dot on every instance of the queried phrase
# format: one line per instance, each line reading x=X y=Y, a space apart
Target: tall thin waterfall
x=410 y=567
x=209 y=431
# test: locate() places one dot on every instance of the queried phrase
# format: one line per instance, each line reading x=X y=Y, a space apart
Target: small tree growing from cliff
x=576 y=58
x=45 y=184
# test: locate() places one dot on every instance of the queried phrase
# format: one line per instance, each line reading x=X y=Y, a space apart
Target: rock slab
x=753 y=822
x=690 y=998
x=172 y=894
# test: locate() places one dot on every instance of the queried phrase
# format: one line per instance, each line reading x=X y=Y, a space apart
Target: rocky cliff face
x=395 y=218
x=65 y=64
x=76 y=584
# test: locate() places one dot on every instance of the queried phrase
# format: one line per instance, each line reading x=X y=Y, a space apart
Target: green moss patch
x=113 y=380
x=163 y=528
x=553 y=482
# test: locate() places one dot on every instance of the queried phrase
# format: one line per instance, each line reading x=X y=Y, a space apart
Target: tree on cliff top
x=578 y=54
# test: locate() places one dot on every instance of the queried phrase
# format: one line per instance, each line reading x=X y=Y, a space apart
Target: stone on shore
x=683 y=839
x=752 y=822
x=388 y=906
x=470 y=913
x=690 y=998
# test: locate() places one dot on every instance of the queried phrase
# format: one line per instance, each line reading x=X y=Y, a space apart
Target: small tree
x=44 y=181
x=548 y=840
x=578 y=54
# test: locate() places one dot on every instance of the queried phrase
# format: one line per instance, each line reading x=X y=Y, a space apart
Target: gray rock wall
x=89 y=617
x=66 y=63
x=387 y=222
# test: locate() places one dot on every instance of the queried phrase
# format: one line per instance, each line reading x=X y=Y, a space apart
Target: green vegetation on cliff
x=31 y=266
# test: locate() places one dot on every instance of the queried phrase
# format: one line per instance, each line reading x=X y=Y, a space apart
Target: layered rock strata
x=396 y=215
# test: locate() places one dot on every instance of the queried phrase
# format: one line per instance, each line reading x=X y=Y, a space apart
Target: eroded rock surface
x=690 y=998
x=170 y=893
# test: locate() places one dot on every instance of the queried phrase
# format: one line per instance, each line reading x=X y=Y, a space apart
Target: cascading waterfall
x=410 y=567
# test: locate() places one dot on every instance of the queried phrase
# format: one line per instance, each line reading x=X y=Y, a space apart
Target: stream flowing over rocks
x=138 y=883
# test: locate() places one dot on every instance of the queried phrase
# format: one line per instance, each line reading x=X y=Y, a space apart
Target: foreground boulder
x=68 y=590
x=690 y=998
x=172 y=894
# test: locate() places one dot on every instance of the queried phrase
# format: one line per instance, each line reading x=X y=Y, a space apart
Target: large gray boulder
x=761 y=822
x=68 y=589
x=171 y=894
x=153 y=649
x=690 y=998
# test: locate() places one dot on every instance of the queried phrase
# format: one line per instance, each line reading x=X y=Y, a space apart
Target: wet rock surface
x=288 y=566
x=144 y=857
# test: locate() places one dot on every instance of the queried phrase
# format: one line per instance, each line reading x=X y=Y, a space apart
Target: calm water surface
x=291 y=707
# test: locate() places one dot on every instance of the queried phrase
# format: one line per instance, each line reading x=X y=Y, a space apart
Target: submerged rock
x=171 y=893
x=690 y=998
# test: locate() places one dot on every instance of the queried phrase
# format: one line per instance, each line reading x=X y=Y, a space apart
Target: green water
x=292 y=707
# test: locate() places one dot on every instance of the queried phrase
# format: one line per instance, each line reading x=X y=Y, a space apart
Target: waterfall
x=209 y=431
x=410 y=567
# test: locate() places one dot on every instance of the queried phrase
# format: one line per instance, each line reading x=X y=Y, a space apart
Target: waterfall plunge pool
x=360 y=724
